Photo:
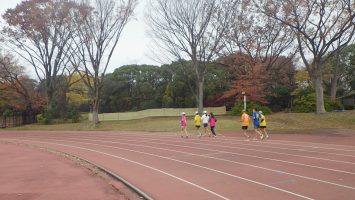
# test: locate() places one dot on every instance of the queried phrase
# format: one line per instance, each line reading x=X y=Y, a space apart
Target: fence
x=164 y=112
x=17 y=119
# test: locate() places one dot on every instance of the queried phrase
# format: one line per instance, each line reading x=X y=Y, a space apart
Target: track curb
x=116 y=177
x=113 y=175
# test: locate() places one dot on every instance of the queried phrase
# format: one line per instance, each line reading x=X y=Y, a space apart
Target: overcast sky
x=133 y=44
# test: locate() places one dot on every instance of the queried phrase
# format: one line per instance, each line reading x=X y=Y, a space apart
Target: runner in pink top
x=183 y=124
x=213 y=121
x=183 y=121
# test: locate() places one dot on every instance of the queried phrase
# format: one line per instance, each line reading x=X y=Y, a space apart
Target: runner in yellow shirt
x=263 y=126
x=197 y=122
x=245 y=119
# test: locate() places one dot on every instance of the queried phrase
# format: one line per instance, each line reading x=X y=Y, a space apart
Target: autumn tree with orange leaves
x=258 y=54
x=40 y=31
x=322 y=27
x=253 y=79
x=17 y=90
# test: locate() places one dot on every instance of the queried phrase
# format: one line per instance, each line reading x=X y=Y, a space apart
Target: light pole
x=245 y=101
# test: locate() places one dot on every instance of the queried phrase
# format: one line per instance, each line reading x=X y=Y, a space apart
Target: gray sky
x=133 y=46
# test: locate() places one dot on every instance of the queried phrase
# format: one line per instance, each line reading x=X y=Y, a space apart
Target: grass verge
x=277 y=121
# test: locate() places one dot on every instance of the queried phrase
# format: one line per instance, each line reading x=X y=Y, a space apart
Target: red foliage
x=19 y=97
x=255 y=79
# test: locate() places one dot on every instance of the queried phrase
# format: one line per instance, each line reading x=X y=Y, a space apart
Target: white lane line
x=324 y=168
x=134 y=162
x=273 y=147
x=238 y=140
x=273 y=152
x=257 y=150
x=240 y=154
x=220 y=159
x=225 y=138
x=229 y=138
x=267 y=142
x=224 y=152
x=305 y=144
x=210 y=154
x=186 y=154
x=179 y=161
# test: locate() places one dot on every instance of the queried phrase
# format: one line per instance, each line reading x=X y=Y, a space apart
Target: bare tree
x=339 y=70
x=321 y=26
x=40 y=32
x=99 y=24
x=260 y=37
x=191 y=30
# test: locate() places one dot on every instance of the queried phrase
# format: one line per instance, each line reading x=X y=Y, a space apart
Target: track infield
x=165 y=166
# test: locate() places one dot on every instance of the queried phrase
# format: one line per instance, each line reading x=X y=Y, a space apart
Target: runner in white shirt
x=205 y=119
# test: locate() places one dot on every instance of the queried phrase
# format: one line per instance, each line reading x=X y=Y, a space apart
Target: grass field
x=277 y=121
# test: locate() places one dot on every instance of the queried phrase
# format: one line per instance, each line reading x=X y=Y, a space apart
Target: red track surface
x=168 y=167
x=30 y=174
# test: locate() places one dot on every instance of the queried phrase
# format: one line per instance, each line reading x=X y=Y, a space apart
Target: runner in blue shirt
x=256 y=122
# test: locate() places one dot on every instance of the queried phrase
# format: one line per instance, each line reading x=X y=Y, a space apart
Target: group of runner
x=259 y=121
x=205 y=120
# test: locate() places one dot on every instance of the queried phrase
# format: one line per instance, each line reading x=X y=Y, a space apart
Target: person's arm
x=262 y=118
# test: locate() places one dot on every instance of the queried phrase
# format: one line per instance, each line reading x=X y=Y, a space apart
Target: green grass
x=277 y=121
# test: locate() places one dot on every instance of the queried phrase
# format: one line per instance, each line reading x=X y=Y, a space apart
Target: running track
x=165 y=166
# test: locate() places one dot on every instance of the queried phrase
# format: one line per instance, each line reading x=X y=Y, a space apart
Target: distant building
x=348 y=100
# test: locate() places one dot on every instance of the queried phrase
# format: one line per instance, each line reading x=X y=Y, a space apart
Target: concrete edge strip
x=115 y=176
x=99 y=167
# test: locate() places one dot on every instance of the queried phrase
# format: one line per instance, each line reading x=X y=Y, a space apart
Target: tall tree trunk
x=95 y=106
x=318 y=83
x=200 y=95
x=50 y=103
x=334 y=82
x=95 y=112
x=333 y=87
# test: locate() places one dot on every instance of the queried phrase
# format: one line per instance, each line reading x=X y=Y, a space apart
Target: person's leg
x=186 y=134
x=245 y=132
x=262 y=130
x=212 y=130
x=266 y=135
x=198 y=131
x=257 y=132
x=206 y=129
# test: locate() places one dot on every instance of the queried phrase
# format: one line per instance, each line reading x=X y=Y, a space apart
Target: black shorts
x=262 y=126
x=197 y=126
x=244 y=127
x=205 y=125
